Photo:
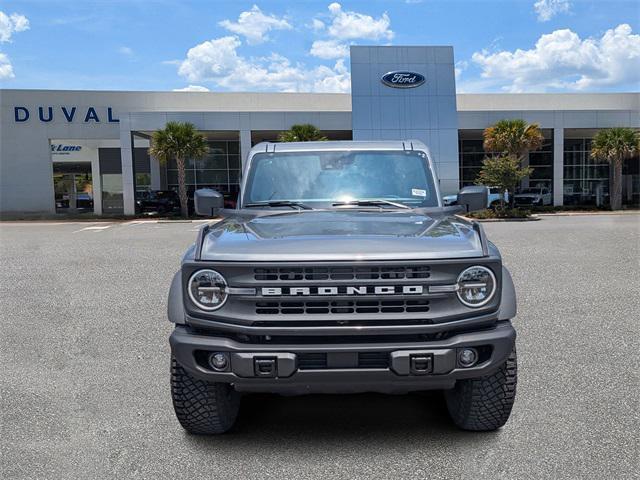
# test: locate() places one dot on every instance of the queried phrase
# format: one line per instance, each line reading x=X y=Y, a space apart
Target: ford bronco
x=340 y=271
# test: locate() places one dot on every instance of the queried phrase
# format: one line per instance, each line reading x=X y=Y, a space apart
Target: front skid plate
x=285 y=376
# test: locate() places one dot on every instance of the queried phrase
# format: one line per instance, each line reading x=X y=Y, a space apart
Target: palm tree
x=179 y=141
x=615 y=145
x=513 y=139
x=302 y=133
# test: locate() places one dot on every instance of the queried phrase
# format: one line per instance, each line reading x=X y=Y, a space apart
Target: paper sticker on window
x=418 y=192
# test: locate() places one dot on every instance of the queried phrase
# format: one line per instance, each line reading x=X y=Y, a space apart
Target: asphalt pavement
x=84 y=388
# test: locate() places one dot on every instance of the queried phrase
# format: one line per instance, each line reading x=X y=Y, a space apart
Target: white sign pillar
x=558 y=166
x=126 y=158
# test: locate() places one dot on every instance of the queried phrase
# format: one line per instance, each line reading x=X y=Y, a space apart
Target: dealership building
x=70 y=151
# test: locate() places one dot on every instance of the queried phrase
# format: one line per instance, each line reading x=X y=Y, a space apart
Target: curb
x=533 y=218
x=577 y=214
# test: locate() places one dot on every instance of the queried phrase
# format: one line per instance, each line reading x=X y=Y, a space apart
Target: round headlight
x=207 y=289
x=476 y=286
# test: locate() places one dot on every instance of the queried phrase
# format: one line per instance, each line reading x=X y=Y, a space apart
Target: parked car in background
x=84 y=201
x=495 y=194
x=157 y=201
x=537 y=196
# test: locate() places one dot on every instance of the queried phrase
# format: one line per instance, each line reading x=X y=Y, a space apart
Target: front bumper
x=284 y=372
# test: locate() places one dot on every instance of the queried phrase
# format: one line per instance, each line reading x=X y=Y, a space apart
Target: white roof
x=547 y=101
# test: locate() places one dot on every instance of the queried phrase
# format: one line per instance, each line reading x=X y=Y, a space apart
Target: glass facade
x=542 y=163
x=586 y=181
x=631 y=182
x=111 y=180
x=112 y=194
x=472 y=154
x=73 y=187
x=142 y=169
x=220 y=169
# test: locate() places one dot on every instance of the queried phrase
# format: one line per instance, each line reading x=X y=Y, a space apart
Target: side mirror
x=207 y=202
x=473 y=198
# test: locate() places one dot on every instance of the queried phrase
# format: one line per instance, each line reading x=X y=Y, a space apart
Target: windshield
x=325 y=177
x=535 y=191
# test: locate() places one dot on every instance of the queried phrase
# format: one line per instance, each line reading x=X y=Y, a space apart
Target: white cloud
x=218 y=61
x=547 y=9
x=192 y=88
x=6 y=69
x=460 y=67
x=254 y=25
x=10 y=24
x=562 y=60
x=317 y=25
x=346 y=25
x=336 y=79
x=210 y=59
x=126 y=51
x=329 y=49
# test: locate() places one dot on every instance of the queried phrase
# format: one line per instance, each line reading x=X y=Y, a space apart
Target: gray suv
x=340 y=271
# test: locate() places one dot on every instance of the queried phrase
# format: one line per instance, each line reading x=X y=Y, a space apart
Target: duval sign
x=403 y=79
x=68 y=114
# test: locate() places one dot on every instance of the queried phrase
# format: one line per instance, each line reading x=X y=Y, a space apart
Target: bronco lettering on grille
x=344 y=290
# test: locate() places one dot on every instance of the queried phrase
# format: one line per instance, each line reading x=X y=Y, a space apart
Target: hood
x=323 y=235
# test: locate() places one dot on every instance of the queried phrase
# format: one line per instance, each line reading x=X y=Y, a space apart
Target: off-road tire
x=202 y=408
x=484 y=403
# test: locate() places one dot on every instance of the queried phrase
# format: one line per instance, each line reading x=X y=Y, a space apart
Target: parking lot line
x=94 y=228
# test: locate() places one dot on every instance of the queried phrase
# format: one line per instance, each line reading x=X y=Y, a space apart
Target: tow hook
x=420 y=364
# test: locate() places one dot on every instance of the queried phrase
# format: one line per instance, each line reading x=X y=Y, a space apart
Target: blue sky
x=500 y=46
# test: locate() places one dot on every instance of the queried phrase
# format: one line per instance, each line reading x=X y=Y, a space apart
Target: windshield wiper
x=280 y=203
x=372 y=203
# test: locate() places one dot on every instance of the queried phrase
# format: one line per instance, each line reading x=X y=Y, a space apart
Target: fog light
x=467 y=357
x=218 y=361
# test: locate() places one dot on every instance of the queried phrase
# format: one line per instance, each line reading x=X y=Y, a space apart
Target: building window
x=631 y=182
x=472 y=154
x=143 y=182
x=220 y=169
x=111 y=180
x=586 y=181
x=142 y=169
x=542 y=163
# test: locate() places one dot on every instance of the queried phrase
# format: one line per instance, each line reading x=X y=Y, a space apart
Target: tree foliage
x=503 y=172
x=615 y=145
x=509 y=141
x=179 y=141
x=514 y=138
x=302 y=133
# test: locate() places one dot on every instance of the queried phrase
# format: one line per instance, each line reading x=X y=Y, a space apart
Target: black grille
x=342 y=307
x=319 y=361
x=341 y=273
x=312 y=361
x=373 y=360
x=358 y=322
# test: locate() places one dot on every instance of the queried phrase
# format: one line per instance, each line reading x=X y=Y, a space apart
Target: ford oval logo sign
x=401 y=79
